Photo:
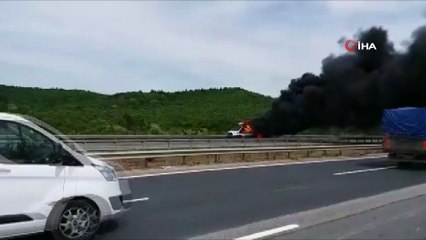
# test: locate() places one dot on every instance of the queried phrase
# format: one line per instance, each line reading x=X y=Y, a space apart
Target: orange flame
x=247 y=128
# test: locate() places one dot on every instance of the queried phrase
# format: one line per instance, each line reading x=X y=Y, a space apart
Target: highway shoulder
x=311 y=219
x=399 y=220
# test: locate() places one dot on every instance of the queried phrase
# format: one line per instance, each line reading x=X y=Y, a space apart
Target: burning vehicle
x=243 y=129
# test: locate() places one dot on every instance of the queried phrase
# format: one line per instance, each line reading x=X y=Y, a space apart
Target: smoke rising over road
x=353 y=88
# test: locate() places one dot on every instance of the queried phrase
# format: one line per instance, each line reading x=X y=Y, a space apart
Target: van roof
x=11 y=117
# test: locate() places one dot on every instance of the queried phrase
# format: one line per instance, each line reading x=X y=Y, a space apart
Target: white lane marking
x=363 y=170
x=245 y=167
x=136 y=200
x=268 y=232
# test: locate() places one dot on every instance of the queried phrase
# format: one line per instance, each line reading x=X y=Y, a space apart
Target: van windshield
x=62 y=137
x=236 y=128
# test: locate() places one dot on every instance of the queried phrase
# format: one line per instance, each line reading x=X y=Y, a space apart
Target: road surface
x=198 y=205
x=189 y=205
x=401 y=220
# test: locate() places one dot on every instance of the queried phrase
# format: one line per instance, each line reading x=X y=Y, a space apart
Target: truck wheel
x=403 y=164
x=79 y=221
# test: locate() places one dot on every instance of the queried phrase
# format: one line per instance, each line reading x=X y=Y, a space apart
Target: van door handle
x=5 y=171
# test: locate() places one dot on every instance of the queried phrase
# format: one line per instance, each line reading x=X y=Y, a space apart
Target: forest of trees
x=193 y=112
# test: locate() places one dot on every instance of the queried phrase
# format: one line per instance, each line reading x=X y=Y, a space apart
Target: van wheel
x=79 y=221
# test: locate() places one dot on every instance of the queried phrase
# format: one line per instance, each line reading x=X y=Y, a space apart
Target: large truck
x=405 y=135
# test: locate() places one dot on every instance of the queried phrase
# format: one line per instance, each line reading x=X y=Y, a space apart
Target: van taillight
x=424 y=144
x=387 y=142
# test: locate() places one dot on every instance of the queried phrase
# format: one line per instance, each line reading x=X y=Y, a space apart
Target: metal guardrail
x=99 y=137
x=144 y=143
x=88 y=137
x=220 y=151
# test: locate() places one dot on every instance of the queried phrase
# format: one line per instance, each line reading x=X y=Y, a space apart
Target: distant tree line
x=192 y=112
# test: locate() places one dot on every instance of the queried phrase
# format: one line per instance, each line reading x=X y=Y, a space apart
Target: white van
x=47 y=185
x=238 y=132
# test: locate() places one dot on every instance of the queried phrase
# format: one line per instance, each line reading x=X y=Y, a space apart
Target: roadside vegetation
x=193 y=112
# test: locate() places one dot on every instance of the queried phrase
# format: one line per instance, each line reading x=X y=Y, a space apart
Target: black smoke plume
x=352 y=89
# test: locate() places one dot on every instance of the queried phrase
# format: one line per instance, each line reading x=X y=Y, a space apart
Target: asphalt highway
x=195 y=204
x=401 y=220
x=211 y=204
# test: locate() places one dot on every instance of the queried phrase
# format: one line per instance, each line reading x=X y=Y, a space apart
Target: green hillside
x=211 y=111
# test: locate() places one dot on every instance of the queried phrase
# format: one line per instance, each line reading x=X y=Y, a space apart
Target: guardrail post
x=116 y=144
x=210 y=143
x=190 y=143
x=143 y=145
x=168 y=143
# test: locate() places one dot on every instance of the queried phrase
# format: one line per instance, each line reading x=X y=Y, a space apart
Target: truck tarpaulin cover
x=410 y=122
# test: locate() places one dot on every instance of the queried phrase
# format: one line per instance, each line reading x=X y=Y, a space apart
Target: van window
x=20 y=144
x=236 y=128
x=62 y=137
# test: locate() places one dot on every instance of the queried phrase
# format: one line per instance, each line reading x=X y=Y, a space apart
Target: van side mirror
x=59 y=148
x=58 y=154
x=64 y=157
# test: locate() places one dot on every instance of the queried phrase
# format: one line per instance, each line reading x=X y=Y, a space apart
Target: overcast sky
x=116 y=46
